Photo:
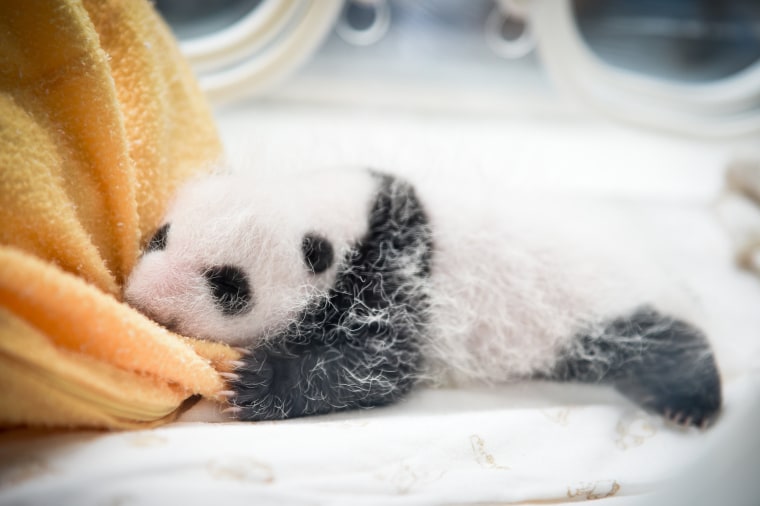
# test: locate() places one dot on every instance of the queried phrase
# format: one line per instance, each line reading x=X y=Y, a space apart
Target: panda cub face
x=236 y=259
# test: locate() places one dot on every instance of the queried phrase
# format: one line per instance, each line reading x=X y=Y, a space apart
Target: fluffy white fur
x=257 y=224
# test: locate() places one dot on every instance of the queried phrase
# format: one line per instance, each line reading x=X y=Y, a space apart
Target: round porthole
x=191 y=19
x=691 y=41
x=683 y=82
x=243 y=47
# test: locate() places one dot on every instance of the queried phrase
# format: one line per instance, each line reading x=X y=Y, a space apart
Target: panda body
x=515 y=280
x=359 y=285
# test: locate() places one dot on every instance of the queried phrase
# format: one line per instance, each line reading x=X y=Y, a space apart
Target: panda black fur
x=347 y=288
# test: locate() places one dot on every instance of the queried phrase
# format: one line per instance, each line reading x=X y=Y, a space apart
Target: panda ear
x=318 y=253
x=158 y=241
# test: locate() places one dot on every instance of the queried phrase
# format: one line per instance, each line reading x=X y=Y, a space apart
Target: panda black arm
x=359 y=345
x=291 y=377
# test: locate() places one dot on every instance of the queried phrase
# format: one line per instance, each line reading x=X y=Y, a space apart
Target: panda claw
x=230 y=376
x=241 y=350
x=236 y=364
x=682 y=420
x=232 y=410
x=226 y=393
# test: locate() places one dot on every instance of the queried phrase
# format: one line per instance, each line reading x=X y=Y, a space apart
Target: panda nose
x=230 y=289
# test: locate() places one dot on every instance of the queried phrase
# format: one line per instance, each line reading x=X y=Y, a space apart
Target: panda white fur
x=347 y=287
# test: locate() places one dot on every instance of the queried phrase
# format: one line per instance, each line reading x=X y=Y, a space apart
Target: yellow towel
x=100 y=120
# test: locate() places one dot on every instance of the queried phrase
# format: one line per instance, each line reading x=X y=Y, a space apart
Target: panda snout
x=230 y=288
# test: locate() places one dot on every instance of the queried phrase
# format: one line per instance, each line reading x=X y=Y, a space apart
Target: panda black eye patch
x=230 y=289
x=158 y=241
x=318 y=253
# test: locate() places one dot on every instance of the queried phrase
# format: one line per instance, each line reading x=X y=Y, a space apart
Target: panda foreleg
x=663 y=364
x=290 y=378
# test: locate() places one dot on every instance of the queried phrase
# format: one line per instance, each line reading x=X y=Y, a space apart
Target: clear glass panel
x=683 y=40
x=196 y=18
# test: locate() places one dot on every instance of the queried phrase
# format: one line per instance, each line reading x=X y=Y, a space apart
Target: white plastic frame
x=262 y=48
x=728 y=108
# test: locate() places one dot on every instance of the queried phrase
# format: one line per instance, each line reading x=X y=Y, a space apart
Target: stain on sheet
x=482 y=456
x=593 y=490
x=146 y=440
x=634 y=431
x=244 y=469
x=558 y=416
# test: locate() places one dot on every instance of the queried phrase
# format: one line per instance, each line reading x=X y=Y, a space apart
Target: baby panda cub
x=348 y=287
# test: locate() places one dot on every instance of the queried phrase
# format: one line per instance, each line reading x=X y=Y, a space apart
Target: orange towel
x=100 y=120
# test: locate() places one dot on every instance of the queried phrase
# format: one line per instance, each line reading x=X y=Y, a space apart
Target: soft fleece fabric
x=100 y=120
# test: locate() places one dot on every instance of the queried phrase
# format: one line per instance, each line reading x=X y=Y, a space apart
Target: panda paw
x=678 y=379
x=275 y=383
x=685 y=396
x=251 y=394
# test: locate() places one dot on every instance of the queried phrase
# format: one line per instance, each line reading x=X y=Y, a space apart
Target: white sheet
x=535 y=443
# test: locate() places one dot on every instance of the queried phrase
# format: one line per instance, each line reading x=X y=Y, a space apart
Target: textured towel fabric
x=100 y=120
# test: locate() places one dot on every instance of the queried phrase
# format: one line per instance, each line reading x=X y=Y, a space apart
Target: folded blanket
x=100 y=120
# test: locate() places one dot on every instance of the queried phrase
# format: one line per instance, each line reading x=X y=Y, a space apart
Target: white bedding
x=536 y=443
